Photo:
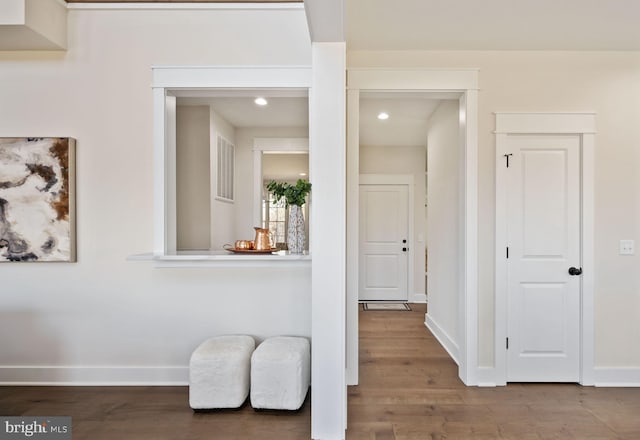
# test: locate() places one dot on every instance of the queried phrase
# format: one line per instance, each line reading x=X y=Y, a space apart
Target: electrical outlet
x=627 y=247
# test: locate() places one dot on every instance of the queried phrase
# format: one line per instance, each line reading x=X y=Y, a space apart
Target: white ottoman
x=219 y=372
x=280 y=373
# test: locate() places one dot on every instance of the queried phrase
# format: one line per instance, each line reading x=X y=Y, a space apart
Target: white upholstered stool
x=280 y=373
x=219 y=372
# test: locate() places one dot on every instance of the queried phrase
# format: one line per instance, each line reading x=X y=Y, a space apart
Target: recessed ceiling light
x=260 y=101
x=382 y=116
x=302 y=174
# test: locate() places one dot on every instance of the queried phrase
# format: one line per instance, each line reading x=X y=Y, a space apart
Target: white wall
x=244 y=170
x=284 y=167
x=137 y=322
x=607 y=83
x=404 y=160
x=223 y=220
x=193 y=192
x=227 y=221
x=443 y=218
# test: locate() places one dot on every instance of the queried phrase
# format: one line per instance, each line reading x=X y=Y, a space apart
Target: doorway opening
x=421 y=85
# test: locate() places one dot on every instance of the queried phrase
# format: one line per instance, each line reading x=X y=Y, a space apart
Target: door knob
x=404 y=249
x=575 y=271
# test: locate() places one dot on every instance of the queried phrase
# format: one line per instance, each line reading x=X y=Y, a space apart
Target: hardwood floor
x=153 y=413
x=408 y=389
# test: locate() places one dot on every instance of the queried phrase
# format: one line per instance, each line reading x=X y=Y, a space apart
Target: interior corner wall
x=193 y=189
x=105 y=319
x=443 y=243
x=223 y=219
x=607 y=83
x=376 y=159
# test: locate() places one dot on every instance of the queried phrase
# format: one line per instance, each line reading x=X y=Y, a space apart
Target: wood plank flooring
x=150 y=413
x=408 y=389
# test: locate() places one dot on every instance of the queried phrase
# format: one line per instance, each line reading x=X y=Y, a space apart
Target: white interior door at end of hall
x=544 y=242
x=384 y=230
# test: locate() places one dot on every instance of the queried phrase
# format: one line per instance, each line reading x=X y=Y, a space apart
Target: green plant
x=293 y=194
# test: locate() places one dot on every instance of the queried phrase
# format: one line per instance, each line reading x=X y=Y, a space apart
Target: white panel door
x=384 y=234
x=544 y=243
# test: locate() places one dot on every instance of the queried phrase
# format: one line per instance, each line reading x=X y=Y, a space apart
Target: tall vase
x=295 y=234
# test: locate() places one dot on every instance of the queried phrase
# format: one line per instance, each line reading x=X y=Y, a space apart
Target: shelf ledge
x=222 y=259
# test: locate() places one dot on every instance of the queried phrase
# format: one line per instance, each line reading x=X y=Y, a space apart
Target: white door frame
x=463 y=82
x=262 y=145
x=406 y=180
x=582 y=124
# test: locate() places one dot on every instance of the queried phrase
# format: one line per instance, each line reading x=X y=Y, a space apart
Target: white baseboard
x=443 y=338
x=419 y=298
x=486 y=377
x=604 y=377
x=94 y=376
x=617 y=376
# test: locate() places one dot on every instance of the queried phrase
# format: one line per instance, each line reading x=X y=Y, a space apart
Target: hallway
x=409 y=389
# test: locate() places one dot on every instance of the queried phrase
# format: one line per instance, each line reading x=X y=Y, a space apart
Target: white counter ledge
x=223 y=259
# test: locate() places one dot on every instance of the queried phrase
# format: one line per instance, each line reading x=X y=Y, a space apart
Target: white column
x=353 y=199
x=170 y=223
x=468 y=300
x=328 y=176
x=164 y=171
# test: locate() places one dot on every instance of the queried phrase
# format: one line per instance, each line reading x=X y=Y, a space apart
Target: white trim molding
x=486 y=376
x=169 y=81
x=280 y=145
x=517 y=123
x=94 y=376
x=545 y=123
x=443 y=338
x=220 y=77
x=413 y=79
x=353 y=239
x=461 y=83
x=419 y=298
x=386 y=179
x=617 y=376
x=183 y=6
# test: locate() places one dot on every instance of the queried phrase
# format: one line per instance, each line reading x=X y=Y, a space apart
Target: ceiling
x=467 y=24
x=242 y=112
x=406 y=126
x=407 y=123
x=436 y=25
x=493 y=24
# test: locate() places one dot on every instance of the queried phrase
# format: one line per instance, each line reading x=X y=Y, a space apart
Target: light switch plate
x=627 y=247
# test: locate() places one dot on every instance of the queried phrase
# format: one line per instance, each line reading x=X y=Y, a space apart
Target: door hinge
x=507 y=156
x=507 y=252
x=507 y=343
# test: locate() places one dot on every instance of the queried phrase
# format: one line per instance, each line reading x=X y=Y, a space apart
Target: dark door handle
x=575 y=271
x=404 y=241
x=404 y=249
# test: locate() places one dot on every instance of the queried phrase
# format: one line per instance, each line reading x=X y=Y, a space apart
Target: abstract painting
x=37 y=199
